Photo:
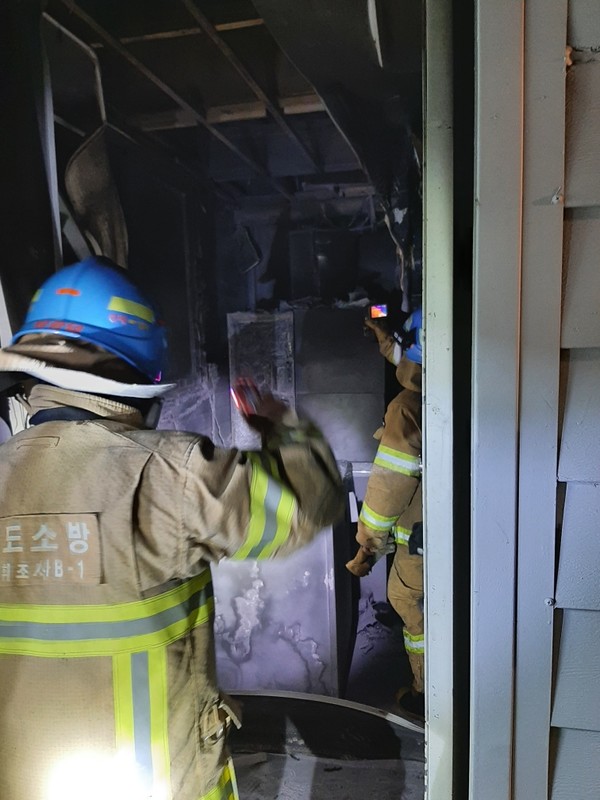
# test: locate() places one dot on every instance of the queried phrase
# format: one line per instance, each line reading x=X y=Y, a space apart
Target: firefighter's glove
x=362 y=563
x=415 y=541
x=267 y=414
x=379 y=329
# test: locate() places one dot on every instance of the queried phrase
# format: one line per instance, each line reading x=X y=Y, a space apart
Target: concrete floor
x=303 y=777
x=310 y=748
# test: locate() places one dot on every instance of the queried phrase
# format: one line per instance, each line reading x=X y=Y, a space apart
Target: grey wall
x=289 y=624
x=156 y=218
x=339 y=379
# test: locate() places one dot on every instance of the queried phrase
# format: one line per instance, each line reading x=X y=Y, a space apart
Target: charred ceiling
x=242 y=140
x=266 y=99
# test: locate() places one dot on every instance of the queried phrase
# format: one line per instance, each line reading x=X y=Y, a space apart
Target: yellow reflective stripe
x=177 y=612
x=376 y=521
x=414 y=644
x=279 y=505
x=272 y=507
x=285 y=513
x=85 y=648
x=159 y=720
x=258 y=491
x=397 y=461
x=114 y=612
x=124 y=306
x=226 y=789
x=270 y=464
x=401 y=535
x=141 y=717
x=123 y=702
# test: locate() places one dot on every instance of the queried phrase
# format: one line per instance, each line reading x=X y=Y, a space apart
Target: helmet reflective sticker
x=132 y=308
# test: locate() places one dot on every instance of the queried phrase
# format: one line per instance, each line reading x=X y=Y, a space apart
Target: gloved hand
x=362 y=563
x=262 y=411
x=415 y=541
x=379 y=328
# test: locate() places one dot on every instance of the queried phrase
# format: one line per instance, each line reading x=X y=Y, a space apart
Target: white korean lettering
x=42 y=569
x=14 y=539
x=77 y=534
x=5 y=571
x=22 y=571
x=45 y=537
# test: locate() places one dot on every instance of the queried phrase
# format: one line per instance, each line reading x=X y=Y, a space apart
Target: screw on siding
x=550 y=601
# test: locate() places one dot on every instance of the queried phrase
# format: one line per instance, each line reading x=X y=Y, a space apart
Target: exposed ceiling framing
x=183 y=32
x=235 y=62
x=114 y=44
x=260 y=96
x=235 y=112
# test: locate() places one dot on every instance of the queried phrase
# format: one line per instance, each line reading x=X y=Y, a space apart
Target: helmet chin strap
x=152 y=416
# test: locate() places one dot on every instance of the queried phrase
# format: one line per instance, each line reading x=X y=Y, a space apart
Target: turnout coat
x=107 y=534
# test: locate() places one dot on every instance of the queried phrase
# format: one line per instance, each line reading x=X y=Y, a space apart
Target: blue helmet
x=94 y=301
x=415 y=323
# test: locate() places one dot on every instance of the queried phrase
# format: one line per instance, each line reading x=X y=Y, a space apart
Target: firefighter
x=391 y=515
x=108 y=529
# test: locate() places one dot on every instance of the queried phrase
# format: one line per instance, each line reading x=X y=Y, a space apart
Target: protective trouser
x=405 y=593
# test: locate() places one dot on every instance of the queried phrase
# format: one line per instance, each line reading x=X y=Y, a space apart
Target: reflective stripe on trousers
x=135 y=635
x=226 y=789
x=401 y=535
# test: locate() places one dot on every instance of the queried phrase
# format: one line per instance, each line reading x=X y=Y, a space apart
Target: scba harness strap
x=66 y=414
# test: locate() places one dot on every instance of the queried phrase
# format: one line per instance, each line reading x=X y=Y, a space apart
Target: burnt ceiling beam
x=114 y=44
x=181 y=33
x=274 y=111
x=236 y=112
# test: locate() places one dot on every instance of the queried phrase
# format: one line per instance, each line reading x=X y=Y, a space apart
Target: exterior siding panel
x=580 y=445
x=584 y=24
x=576 y=774
x=581 y=302
x=583 y=135
x=578 y=584
x=577 y=694
x=575 y=759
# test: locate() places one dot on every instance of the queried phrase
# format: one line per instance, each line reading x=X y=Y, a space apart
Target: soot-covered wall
x=266 y=260
x=303 y=623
